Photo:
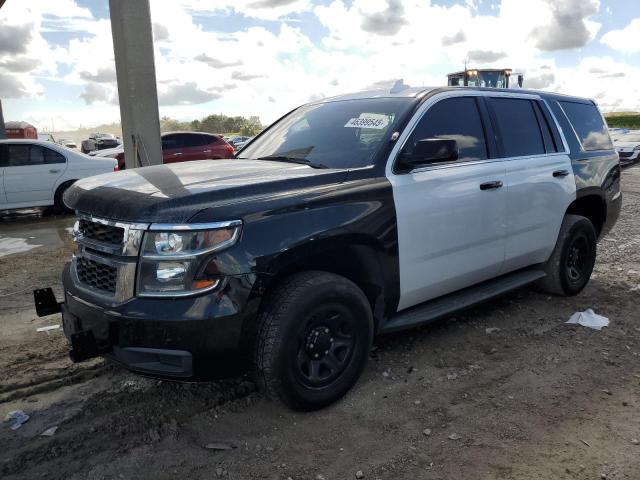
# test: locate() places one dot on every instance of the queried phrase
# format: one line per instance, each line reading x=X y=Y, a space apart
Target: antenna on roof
x=399 y=86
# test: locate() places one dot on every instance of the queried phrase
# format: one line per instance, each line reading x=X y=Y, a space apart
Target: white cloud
x=268 y=71
x=625 y=40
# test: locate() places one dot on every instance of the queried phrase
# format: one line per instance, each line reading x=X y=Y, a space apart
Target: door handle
x=560 y=173
x=207 y=151
x=54 y=170
x=176 y=154
x=491 y=185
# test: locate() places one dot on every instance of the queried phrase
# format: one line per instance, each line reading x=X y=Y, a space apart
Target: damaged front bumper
x=182 y=338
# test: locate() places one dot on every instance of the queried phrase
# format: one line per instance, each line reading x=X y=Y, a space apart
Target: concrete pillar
x=3 y=132
x=135 y=71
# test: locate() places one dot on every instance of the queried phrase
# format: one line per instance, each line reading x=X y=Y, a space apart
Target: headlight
x=171 y=262
x=637 y=147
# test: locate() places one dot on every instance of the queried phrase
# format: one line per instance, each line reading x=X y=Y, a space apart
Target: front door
x=451 y=216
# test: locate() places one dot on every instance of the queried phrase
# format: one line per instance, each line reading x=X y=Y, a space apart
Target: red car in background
x=182 y=147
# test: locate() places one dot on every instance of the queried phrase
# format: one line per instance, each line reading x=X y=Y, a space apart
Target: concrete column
x=3 y=132
x=135 y=71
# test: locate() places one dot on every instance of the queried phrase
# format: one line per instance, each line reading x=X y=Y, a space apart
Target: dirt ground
x=534 y=399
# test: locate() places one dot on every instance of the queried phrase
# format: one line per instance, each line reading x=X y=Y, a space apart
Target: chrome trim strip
x=157 y=227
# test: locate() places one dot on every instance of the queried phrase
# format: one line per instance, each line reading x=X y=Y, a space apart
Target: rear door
x=450 y=216
x=194 y=146
x=540 y=181
x=31 y=174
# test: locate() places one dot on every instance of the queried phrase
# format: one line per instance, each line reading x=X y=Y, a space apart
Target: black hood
x=175 y=192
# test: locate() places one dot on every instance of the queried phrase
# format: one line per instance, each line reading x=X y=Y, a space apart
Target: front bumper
x=190 y=338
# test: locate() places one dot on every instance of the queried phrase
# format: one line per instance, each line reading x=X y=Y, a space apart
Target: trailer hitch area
x=46 y=303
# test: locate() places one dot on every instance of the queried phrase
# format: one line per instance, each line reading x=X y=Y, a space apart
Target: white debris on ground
x=589 y=318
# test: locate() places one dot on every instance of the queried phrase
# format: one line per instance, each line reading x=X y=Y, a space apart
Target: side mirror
x=431 y=150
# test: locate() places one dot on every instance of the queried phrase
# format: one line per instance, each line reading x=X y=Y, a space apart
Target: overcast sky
x=264 y=57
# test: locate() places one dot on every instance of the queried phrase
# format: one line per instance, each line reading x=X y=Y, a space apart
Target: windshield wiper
x=284 y=158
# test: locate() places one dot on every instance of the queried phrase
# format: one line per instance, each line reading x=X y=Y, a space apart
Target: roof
x=14 y=124
x=398 y=90
x=32 y=141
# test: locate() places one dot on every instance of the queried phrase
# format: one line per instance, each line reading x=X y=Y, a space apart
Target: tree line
x=217 y=123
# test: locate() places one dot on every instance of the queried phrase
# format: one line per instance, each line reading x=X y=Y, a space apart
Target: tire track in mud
x=134 y=412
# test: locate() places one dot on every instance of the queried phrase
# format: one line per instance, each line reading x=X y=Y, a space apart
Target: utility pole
x=3 y=132
x=135 y=72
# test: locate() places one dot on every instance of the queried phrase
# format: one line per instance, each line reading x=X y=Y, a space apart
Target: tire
x=313 y=341
x=58 y=197
x=570 y=266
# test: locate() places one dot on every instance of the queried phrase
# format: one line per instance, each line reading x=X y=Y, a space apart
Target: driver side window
x=453 y=119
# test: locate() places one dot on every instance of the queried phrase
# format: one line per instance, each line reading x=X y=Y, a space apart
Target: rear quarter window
x=588 y=125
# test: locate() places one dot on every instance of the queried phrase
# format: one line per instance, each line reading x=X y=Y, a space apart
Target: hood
x=626 y=145
x=175 y=192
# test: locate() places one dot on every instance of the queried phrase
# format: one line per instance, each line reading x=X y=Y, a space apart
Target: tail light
x=229 y=148
x=120 y=159
x=116 y=168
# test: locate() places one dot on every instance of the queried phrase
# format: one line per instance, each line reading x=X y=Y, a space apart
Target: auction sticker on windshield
x=368 y=120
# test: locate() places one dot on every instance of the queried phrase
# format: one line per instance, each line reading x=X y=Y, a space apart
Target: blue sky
x=263 y=57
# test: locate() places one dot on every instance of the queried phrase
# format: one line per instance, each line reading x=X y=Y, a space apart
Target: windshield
x=340 y=134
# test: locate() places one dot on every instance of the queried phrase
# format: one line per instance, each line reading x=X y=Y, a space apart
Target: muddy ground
x=536 y=399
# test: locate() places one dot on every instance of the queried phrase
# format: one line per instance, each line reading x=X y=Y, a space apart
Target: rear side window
x=453 y=119
x=193 y=140
x=518 y=126
x=588 y=124
x=51 y=156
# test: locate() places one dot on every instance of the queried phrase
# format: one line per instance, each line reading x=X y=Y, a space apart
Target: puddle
x=24 y=230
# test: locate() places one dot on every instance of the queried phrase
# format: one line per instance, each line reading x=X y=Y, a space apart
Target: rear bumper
x=189 y=338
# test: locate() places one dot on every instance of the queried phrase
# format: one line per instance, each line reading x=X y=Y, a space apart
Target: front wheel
x=570 y=266
x=314 y=337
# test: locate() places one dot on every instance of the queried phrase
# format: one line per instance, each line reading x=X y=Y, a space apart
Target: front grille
x=97 y=275
x=100 y=232
x=625 y=154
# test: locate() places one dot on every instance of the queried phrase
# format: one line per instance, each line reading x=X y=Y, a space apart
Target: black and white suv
x=348 y=217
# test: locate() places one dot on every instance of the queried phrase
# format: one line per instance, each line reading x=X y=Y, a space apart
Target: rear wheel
x=58 y=199
x=313 y=341
x=571 y=264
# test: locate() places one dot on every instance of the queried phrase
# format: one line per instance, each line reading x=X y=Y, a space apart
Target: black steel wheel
x=314 y=336
x=325 y=346
x=570 y=266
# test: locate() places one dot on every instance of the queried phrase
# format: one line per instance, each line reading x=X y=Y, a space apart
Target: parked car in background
x=235 y=141
x=36 y=173
x=99 y=141
x=182 y=147
x=46 y=137
x=240 y=145
x=628 y=147
x=67 y=143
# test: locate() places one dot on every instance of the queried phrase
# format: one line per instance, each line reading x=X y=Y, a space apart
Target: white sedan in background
x=628 y=147
x=36 y=173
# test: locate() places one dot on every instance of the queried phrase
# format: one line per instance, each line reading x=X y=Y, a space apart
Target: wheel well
x=592 y=207
x=360 y=264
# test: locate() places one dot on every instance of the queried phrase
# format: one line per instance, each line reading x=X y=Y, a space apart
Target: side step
x=460 y=300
